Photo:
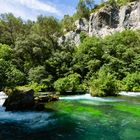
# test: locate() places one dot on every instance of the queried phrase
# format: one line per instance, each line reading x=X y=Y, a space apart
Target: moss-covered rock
x=20 y=100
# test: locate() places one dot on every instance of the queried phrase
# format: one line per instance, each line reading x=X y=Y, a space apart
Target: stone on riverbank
x=20 y=100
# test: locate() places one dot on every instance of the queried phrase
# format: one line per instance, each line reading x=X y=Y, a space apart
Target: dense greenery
x=30 y=56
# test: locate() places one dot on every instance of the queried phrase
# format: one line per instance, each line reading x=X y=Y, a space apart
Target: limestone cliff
x=106 y=21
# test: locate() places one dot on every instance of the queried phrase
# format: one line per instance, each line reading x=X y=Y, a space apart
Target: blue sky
x=30 y=9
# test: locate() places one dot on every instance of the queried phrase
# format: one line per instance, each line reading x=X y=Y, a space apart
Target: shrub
x=5 y=52
x=14 y=77
x=37 y=74
x=132 y=82
x=35 y=86
x=104 y=85
x=10 y=76
x=70 y=82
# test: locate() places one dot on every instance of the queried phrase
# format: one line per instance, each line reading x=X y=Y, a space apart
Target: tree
x=14 y=77
x=104 y=85
x=90 y=3
x=48 y=27
x=37 y=74
x=68 y=23
x=10 y=28
x=70 y=82
x=132 y=82
x=31 y=51
x=82 y=10
x=9 y=75
x=5 y=52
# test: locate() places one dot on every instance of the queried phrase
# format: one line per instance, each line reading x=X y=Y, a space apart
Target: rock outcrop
x=106 y=21
x=74 y=36
x=21 y=100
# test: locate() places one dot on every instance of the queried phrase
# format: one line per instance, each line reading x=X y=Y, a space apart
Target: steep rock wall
x=106 y=21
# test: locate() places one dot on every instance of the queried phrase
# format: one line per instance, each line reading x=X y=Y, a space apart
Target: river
x=79 y=117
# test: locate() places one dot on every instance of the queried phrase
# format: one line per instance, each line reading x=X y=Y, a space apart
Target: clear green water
x=77 y=118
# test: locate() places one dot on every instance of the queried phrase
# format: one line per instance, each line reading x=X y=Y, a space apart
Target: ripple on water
x=89 y=97
x=30 y=119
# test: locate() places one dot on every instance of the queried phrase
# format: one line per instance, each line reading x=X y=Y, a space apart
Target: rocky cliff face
x=106 y=21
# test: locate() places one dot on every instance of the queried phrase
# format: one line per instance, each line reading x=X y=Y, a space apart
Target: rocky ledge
x=106 y=21
x=21 y=100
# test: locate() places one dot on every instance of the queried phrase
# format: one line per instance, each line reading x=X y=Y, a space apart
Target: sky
x=30 y=9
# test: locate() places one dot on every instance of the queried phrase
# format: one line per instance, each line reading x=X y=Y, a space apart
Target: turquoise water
x=76 y=118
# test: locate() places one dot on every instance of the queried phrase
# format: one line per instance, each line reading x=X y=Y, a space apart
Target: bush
x=5 y=52
x=83 y=35
x=68 y=83
x=37 y=74
x=104 y=85
x=132 y=82
x=10 y=76
x=14 y=77
x=35 y=86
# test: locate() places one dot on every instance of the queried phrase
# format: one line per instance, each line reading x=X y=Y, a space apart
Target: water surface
x=76 y=118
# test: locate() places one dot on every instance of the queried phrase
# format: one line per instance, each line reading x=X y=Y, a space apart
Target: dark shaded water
x=76 y=118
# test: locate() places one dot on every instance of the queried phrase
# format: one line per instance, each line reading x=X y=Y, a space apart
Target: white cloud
x=28 y=9
x=38 y=5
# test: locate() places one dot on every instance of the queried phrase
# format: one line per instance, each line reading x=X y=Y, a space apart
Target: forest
x=30 y=56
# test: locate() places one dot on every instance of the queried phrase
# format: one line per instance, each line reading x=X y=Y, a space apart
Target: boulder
x=20 y=100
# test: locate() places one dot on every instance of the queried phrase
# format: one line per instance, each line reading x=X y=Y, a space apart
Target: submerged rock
x=21 y=100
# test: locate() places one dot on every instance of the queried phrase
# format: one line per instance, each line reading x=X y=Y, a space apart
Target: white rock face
x=114 y=19
x=71 y=37
x=106 y=21
x=82 y=25
x=74 y=36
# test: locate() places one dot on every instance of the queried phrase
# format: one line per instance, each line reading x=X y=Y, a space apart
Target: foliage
x=83 y=35
x=68 y=23
x=104 y=85
x=70 y=82
x=47 y=27
x=37 y=74
x=9 y=75
x=123 y=2
x=37 y=87
x=5 y=52
x=82 y=10
x=14 y=77
x=30 y=55
x=132 y=82
x=10 y=27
